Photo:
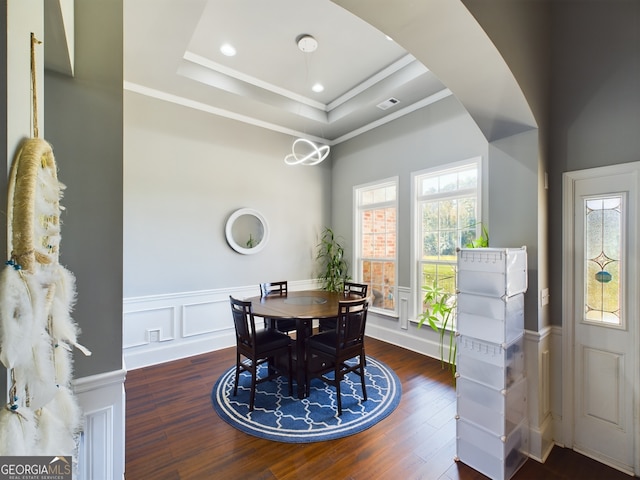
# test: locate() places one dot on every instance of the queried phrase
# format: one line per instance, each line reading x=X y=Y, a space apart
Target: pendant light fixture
x=304 y=151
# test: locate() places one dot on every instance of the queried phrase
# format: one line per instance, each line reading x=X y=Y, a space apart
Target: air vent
x=388 y=103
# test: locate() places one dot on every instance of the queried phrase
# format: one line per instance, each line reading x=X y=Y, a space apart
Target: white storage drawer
x=492 y=319
x=490 y=363
x=499 y=411
x=496 y=457
x=492 y=271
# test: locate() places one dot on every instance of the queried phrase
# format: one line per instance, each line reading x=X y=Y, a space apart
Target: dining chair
x=350 y=288
x=281 y=289
x=328 y=352
x=258 y=347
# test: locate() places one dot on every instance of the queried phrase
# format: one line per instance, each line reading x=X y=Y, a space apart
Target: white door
x=604 y=313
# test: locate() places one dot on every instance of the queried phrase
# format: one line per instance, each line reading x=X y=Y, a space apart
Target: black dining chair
x=350 y=288
x=328 y=352
x=281 y=289
x=258 y=347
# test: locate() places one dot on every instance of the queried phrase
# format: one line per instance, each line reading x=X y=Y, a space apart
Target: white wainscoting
x=102 y=400
x=403 y=330
x=556 y=383
x=537 y=352
x=161 y=328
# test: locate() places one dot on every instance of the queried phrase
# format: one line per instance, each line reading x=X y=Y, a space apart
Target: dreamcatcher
x=37 y=295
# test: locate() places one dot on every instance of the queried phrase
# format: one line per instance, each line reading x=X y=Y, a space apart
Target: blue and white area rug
x=282 y=418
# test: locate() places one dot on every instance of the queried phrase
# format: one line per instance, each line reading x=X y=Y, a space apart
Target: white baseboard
x=405 y=339
x=541 y=440
x=102 y=400
x=175 y=350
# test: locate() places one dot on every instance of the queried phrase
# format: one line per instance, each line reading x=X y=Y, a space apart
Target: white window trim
x=357 y=235
x=416 y=301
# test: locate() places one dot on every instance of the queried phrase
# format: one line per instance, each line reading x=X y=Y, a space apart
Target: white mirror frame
x=228 y=230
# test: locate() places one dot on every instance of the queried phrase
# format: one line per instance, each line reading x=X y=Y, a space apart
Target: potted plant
x=441 y=309
x=439 y=314
x=334 y=270
x=482 y=242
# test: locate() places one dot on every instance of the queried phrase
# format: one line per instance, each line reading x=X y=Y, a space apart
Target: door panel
x=602 y=386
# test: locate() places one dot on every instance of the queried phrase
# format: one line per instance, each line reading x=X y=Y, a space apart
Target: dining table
x=303 y=306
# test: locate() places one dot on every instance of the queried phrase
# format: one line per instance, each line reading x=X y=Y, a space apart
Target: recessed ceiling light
x=317 y=88
x=228 y=50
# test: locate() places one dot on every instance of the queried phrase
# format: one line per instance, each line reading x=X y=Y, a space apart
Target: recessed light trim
x=227 y=50
x=318 y=87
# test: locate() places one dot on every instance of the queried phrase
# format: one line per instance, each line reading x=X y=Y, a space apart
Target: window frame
x=357 y=235
x=416 y=228
x=621 y=261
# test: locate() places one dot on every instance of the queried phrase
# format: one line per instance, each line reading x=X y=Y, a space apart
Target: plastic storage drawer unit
x=496 y=457
x=492 y=271
x=499 y=411
x=489 y=363
x=493 y=319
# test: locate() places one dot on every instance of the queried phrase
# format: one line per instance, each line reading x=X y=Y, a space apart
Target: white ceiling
x=171 y=52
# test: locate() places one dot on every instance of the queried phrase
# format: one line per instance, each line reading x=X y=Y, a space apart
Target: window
x=446 y=212
x=603 y=246
x=376 y=245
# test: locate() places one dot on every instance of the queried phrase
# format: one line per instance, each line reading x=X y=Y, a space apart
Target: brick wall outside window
x=377 y=250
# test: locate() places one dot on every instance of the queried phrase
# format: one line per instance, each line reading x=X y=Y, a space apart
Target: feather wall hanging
x=37 y=295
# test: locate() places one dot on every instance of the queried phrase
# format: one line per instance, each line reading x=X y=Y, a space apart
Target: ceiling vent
x=388 y=103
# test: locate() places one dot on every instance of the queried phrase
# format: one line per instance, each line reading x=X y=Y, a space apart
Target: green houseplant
x=481 y=242
x=441 y=309
x=334 y=270
x=440 y=314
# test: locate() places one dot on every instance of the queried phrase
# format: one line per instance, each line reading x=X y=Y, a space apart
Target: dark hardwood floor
x=172 y=432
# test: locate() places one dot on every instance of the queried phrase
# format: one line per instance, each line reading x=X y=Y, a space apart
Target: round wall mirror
x=247 y=231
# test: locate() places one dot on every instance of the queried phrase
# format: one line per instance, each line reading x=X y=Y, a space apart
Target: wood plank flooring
x=172 y=432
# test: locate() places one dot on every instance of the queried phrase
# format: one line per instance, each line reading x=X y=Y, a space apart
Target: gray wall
x=185 y=172
x=435 y=136
x=595 y=101
x=83 y=122
x=515 y=201
x=521 y=31
x=432 y=136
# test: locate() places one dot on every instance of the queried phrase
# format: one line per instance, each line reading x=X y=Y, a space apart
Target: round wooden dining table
x=303 y=307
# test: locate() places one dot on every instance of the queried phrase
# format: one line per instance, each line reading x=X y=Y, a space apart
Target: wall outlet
x=544 y=297
x=154 y=336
